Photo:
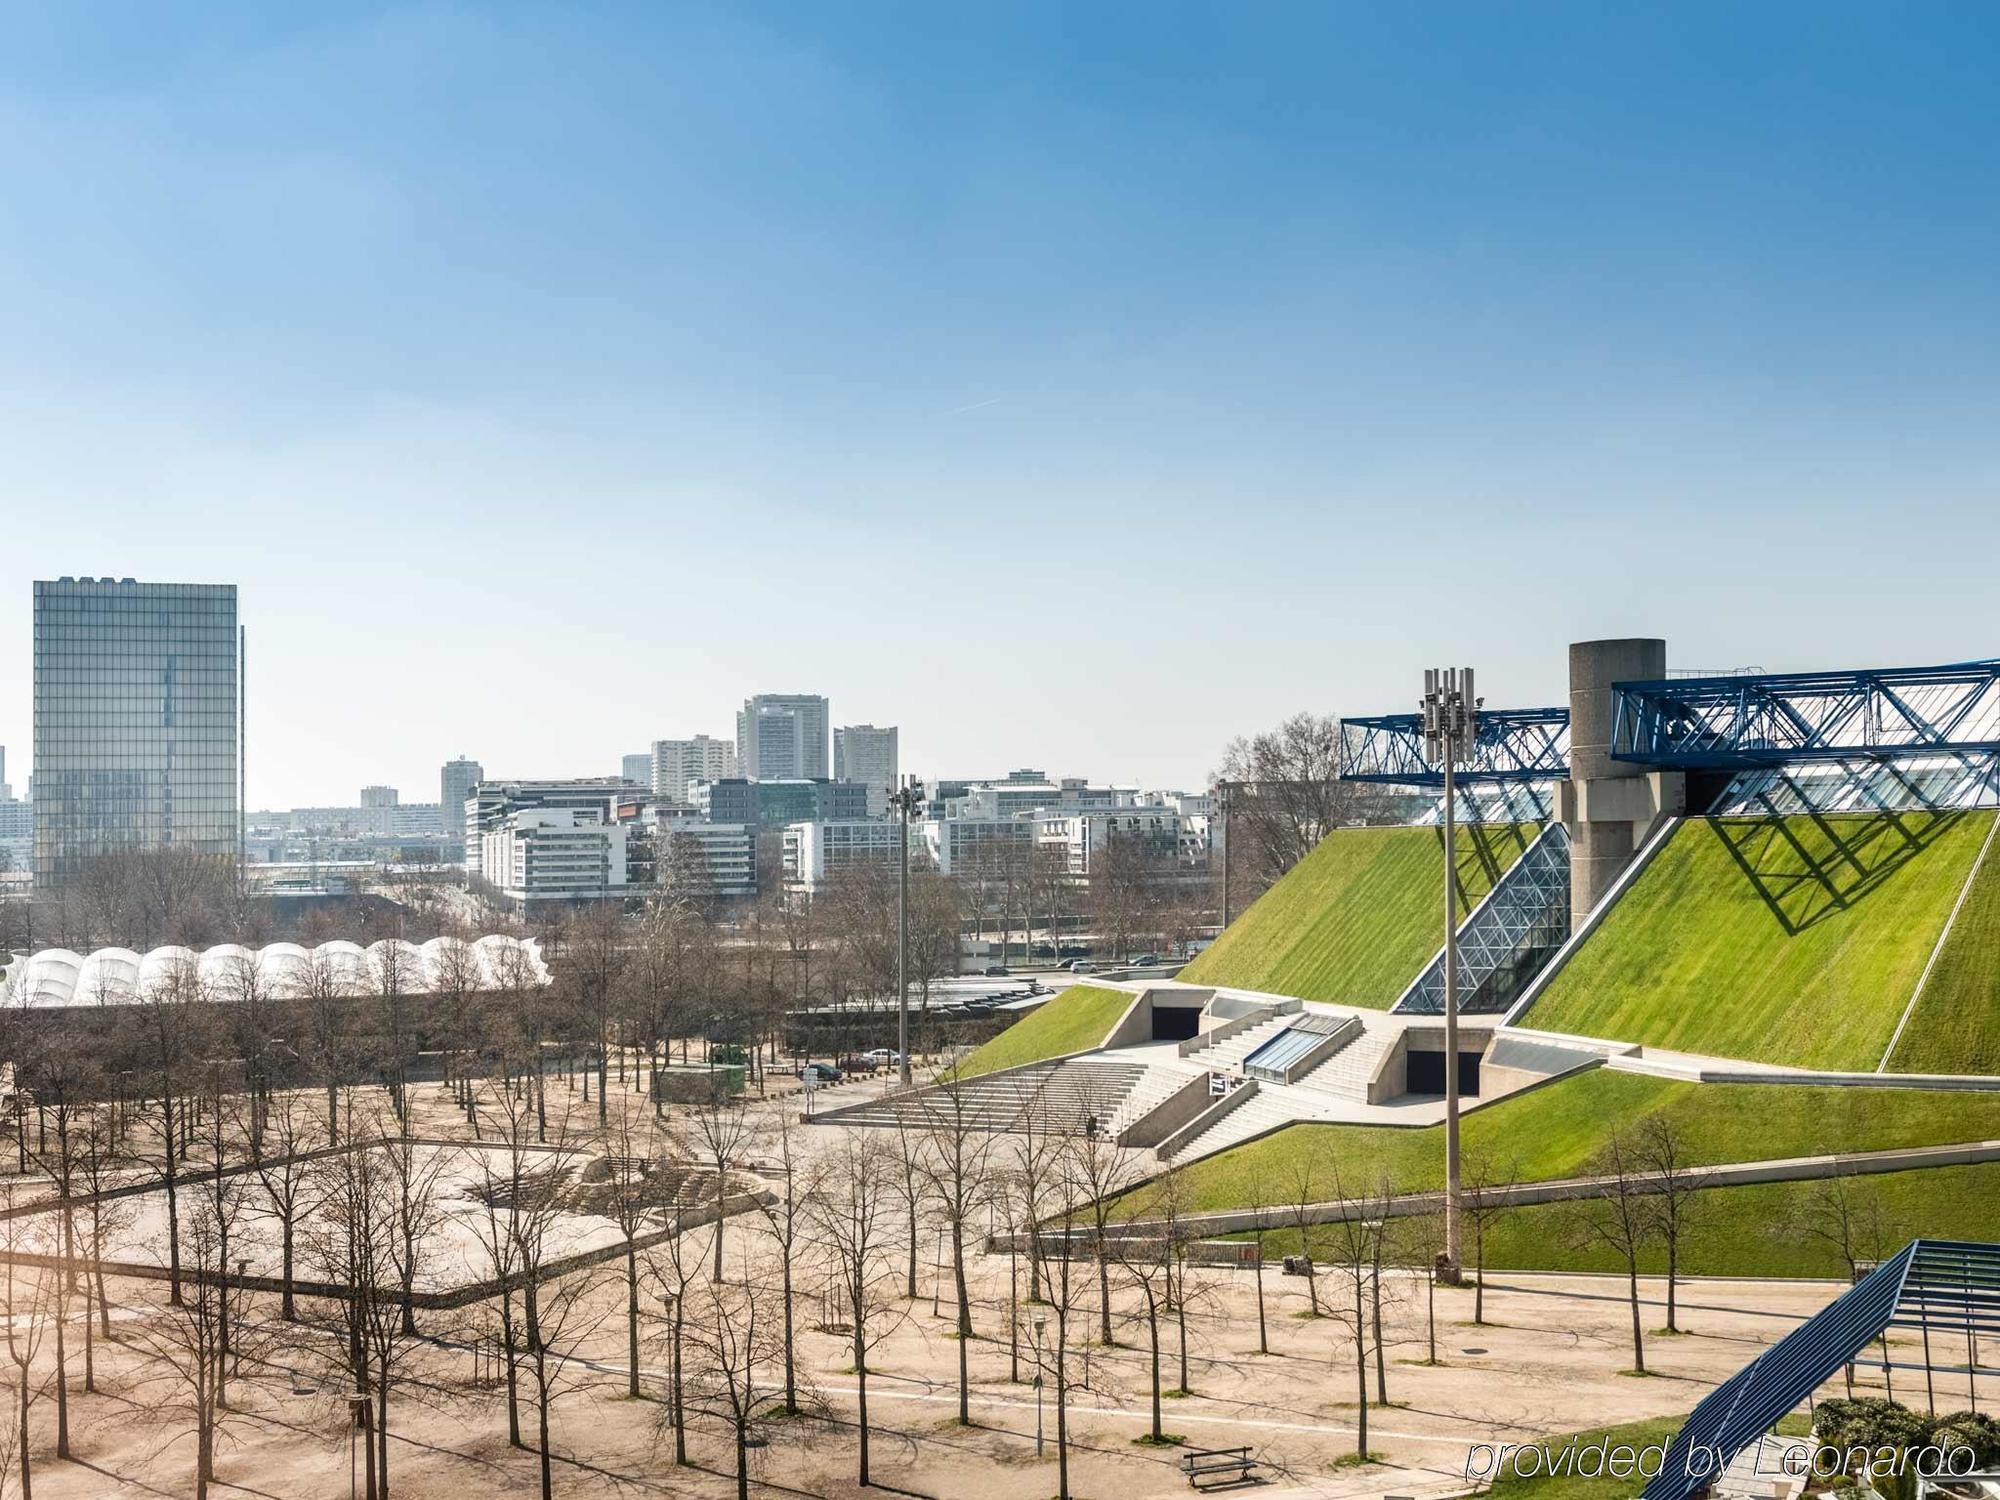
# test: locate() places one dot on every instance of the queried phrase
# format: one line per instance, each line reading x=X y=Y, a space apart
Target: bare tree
x=27 y=1301
x=674 y=1264
x=957 y=1168
x=1354 y=1242
x=1677 y=1185
x=910 y=1180
x=723 y=1131
x=1487 y=1199
x=853 y=1214
x=788 y=1214
x=1285 y=792
x=733 y=1334
x=281 y=1157
x=1618 y=1218
x=174 y=1015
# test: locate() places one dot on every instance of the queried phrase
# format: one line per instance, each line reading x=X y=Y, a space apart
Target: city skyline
x=1065 y=368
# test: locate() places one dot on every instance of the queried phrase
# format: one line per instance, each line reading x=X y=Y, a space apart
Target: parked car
x=823 y=1072
x=858 y=1063
x=996 y=971
x=1146 y=960
x=884 y=1057
x=1082 y=966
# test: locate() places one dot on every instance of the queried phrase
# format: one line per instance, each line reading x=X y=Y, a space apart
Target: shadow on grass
x=1802 y=888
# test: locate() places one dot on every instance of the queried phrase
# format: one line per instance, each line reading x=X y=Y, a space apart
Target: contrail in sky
x=957 y=410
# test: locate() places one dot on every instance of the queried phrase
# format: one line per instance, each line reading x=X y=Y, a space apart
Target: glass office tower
x=137 y=721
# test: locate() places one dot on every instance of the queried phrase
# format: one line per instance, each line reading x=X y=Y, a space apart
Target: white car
x=884 y=1057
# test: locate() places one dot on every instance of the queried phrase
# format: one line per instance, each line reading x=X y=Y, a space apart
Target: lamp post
x=1041 y=1322
x=1451 y=719
x=905 y=801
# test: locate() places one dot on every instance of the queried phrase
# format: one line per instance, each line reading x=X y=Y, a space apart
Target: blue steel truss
x=1949 y=1290
x=1510 y=934
x=1511 y=744
x=1740 y=723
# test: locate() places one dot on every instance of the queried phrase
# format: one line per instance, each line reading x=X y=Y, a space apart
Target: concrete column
x=1609 y=806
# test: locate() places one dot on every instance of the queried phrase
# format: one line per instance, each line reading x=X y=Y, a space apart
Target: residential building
x=1082 y=837
x=816 y=851
x=456 y=779
x=378 y=796
x=728 y=851
x=491 y=803
x=637 y=768
x=783 y=736
x=537 y=854
x=679 y=764
x=864 y=753
x=959 y=846
x=138 y=721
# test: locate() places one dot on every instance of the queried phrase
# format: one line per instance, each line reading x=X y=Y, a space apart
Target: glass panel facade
x=136 y=721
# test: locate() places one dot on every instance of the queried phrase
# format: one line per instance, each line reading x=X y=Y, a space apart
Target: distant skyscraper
x=138 y=721
x=676 y=763
x=782 y=736
x=864 y=753
x=455 y=783
x=637 y=768
x=378 y=796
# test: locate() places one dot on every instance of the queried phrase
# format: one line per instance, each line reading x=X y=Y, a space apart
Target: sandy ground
x=1552 y=1358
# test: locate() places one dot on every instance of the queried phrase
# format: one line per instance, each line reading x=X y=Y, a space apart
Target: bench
x=1219 y=1466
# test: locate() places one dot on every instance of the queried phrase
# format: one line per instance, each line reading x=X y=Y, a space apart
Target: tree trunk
x=1638 y=1339
x=542 y=1420
x=1673 y=1266
x=631 y=1318
x=513 y=1370
x=964 y=1322
x=1360 y=1381
x=382 y=1433
x=791 y=1356
x=287 y=1310
x=1153 y=1337
x=680 y=1410
x=860 y=1298
x=1263 y=1335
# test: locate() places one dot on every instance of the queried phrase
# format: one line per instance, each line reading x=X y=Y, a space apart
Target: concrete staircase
x=1158 y=1083
x=1263 y=1112
x=1346 y=1074
x=1227 y=1057
x=1054 y=1097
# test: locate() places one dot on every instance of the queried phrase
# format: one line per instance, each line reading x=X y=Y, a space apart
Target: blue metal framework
x=1949 y=1290
x=1740 y=723
x=1511 y=744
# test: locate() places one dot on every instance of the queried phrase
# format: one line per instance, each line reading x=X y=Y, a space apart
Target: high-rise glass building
x=138 y=721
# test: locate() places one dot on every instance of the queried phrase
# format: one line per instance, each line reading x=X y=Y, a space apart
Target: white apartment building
x=1082 y=837
x=728 y=850
x=678 y=764
x=867 y=754
x=960 y=846
x=816 y=851
x=554 y=854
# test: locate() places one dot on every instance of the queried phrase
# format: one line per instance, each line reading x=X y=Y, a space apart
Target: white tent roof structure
x=56 y=978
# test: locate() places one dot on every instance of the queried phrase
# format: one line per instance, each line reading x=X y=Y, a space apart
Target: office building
x=783 y=736
x=491 y=803
x=138 y=722
x=379 y=796
x=820 y=850
x=775 y=804
x=540 y=854
x=456 y=779
x=637 y=768
x=864 y=753
x=725 y=852
x=679 y=764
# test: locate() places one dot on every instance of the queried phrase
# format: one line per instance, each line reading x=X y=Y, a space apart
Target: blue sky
x=1074 y=385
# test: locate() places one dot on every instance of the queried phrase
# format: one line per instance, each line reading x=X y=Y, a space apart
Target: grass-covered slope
x=1078 y=1018
x=1358 y=918
x=1955 y=1027
x=1553 y=1131
x=1792 y=940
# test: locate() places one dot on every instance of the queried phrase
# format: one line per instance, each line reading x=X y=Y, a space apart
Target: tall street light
x=1451 y=720
x=905 y=801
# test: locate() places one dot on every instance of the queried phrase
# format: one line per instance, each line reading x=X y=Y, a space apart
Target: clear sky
x=1075 y=385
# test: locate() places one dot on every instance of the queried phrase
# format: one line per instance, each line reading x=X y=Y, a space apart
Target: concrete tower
x=1609 y=806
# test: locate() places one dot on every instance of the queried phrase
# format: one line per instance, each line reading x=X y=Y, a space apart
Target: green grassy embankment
x=1792 y=940
x=1078 y=1018
x=1358 y=918
x=1553 y=1131
x=1637 y=1437
x=1756 y=1230
x=1955 y=1027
